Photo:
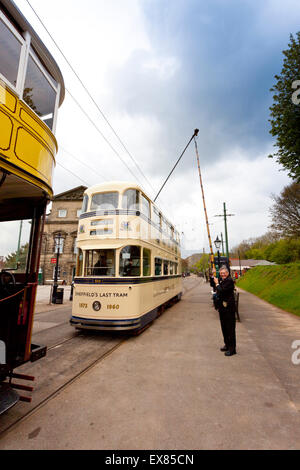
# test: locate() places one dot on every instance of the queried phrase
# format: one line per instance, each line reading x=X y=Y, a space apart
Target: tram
x=31 y=91
x=128 y=261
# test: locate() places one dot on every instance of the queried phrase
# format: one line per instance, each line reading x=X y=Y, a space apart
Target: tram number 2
x=113 y=306
x=82 y=305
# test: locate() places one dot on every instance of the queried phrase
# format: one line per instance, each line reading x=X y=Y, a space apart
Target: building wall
x=67 y=227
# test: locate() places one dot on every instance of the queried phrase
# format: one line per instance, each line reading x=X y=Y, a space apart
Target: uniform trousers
x=227 y=319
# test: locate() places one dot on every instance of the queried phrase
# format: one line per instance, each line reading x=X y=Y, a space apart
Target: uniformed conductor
x=226 y=308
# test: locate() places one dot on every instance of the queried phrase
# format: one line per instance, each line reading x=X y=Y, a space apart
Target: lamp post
x=217 y=243
x=58 y=239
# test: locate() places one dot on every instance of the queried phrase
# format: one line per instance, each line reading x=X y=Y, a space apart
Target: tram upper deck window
x=131 y=199
x=10 y=50
x=105 y=201
x=84 y=203
x=130 y=261
x=145 y=206
x=156 y=216
x=99 y=263
x=39 y=93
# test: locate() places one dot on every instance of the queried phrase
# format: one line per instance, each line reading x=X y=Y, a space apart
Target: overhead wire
x=83 y=163
x=95 y=103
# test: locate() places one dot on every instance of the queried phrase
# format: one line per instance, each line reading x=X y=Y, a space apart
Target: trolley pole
x=212 y=260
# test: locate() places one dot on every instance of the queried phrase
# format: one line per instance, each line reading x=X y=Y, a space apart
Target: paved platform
x=43 y=301
x=172 y=388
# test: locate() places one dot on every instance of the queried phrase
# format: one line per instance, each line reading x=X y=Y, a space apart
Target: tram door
x=18 y=285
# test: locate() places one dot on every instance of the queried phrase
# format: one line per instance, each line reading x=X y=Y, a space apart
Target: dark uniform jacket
x=225 y=291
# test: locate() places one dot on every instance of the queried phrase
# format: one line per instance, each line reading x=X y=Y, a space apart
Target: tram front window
x=130 y=261
x=99 y=263
x=10 y=50
x=105 y=201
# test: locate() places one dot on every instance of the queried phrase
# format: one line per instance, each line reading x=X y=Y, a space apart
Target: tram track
x=70 y=355
x=12 y=423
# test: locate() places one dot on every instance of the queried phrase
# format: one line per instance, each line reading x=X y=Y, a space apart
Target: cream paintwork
x=129 y=300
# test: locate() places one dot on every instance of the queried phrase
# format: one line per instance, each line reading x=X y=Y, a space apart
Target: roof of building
x=71 y=194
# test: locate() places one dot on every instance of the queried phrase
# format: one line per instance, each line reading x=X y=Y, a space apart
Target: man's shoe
x=230 y=353
x=224 y=349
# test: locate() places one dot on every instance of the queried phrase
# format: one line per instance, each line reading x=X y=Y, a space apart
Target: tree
x=285 y=111
x=286 y=212
x=11 y=260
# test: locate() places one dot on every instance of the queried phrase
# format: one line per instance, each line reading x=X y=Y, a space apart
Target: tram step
x=8 y=397
x=37 y=352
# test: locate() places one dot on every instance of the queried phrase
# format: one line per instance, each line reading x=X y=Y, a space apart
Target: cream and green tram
x=128 y=261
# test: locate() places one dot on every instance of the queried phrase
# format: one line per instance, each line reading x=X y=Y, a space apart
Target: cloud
x=158 y=69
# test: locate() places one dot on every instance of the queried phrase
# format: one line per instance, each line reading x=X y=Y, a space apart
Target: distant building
x=63 y=219
x=241 y=266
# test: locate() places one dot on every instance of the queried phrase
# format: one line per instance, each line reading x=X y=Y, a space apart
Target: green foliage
x=285 y=115
x=278 y=285
x=11 y=260
x=281 y=252
x=202 y=265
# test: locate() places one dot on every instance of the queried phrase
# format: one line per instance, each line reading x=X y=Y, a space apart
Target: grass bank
x=279 y=285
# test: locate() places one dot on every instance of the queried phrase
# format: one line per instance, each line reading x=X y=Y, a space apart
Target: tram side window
x=38 y=93
x=131 y=200
x=158 y=266
x=146 y=262
x=79 y=262
x=10 y=50
x=99 y=263
x=130 y=261
x=166 y=267
x=171 y=267
x=105 y=201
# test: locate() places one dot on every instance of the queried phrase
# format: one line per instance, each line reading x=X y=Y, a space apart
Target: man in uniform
x=226 y=308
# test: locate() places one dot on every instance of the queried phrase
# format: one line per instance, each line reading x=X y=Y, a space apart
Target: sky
x=158 y=69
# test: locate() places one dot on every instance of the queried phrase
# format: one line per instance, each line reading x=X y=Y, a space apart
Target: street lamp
x=57 y=239
x=217 y=243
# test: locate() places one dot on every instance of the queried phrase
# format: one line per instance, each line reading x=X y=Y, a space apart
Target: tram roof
x=113 y=185
x=19 y=20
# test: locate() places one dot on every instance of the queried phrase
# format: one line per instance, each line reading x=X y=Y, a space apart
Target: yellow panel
x=7 y=98
x=6 y=127
x=34 y=155
x=36 y=126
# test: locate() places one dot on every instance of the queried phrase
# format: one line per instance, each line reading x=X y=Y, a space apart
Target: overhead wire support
x=92 y=99
x=195 y=134
x=212 y=260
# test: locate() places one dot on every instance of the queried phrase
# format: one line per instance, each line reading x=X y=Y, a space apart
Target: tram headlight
x=96 y=305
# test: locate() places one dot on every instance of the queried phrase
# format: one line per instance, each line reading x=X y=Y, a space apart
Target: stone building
x=63 y=221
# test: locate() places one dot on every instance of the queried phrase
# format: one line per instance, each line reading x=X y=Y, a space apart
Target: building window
x=146 y=262
x=62 y=213
x=58 y=244
x=130 y=261
x=75 y=249
x=10 y=51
